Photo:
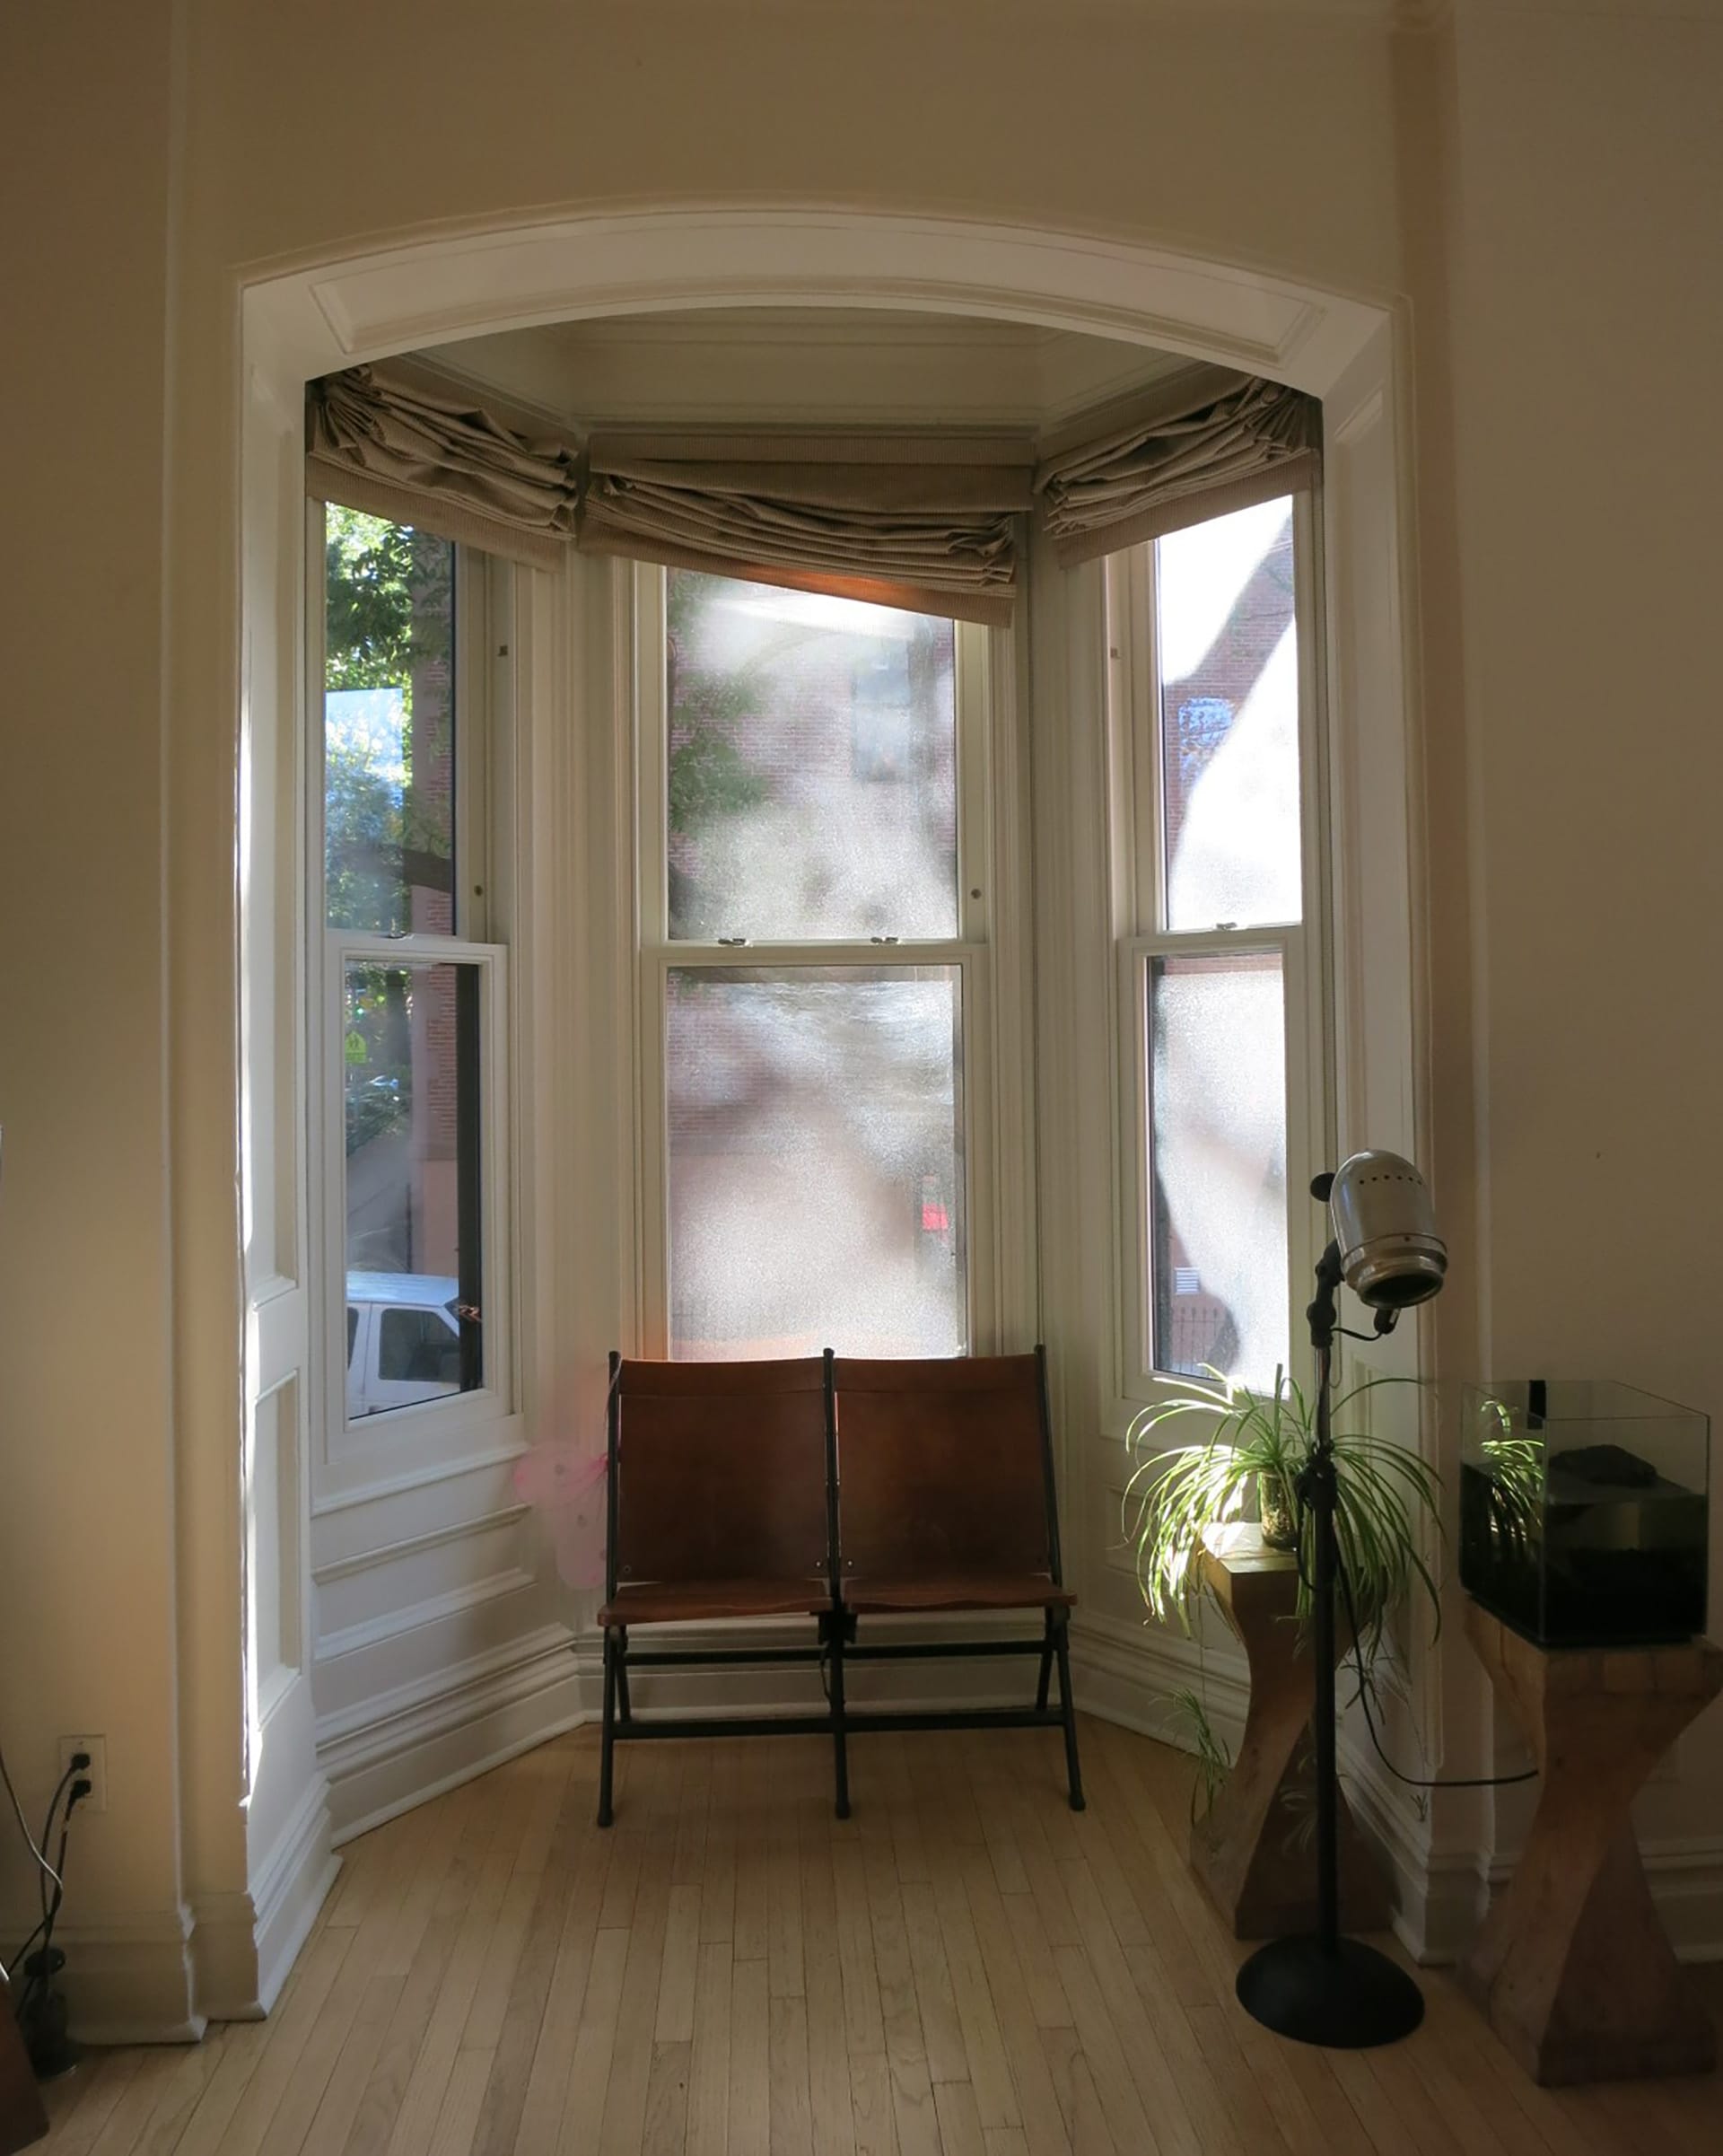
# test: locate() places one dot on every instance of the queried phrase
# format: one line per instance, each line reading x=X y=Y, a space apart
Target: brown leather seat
x=720 y=1506
x=678 y=1602
x=957 y=1591
x=946 y=1502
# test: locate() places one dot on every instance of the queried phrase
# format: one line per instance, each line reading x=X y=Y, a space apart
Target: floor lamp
x=1321 y=1988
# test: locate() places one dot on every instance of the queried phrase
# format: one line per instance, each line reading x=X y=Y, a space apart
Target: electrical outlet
x=95 y=1773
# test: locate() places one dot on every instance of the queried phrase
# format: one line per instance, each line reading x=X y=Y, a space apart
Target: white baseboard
x=414 y=1743
x=243 y=1946
x=1128 y=1674
x=131 y=1982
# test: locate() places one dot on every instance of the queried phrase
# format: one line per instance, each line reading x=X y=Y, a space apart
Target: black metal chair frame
x=836 y=1647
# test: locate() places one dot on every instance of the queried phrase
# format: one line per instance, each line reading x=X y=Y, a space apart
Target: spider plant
x=1192 y=1731
x=1176 y=1493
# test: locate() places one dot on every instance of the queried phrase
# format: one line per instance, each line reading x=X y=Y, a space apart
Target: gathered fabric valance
x=925 y=522
x=382 y=444
x=928 y=522
x=1212 y=441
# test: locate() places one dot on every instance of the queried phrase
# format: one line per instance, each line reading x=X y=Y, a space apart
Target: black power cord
x=23 y=1823
x=69 y=1779
x=41 y=2007
x=1366 y=1682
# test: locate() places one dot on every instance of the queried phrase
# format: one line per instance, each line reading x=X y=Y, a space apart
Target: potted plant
x=1248 y=1451
x=1252 y=1447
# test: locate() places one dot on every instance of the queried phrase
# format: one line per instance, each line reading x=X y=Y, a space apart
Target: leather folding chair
x=946 y=1501
x=721 y=1503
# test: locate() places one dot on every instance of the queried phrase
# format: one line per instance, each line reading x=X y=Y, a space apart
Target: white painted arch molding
x=647 y=261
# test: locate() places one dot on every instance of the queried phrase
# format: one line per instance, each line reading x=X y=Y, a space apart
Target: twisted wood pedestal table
x=1571 y=1965
x=1254 y=1850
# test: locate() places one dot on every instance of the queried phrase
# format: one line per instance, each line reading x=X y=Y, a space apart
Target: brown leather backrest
x=720 y=1471
x=940 y=1466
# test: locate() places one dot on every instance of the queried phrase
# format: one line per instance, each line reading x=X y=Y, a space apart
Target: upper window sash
x=1230 y=616
x=715 y=940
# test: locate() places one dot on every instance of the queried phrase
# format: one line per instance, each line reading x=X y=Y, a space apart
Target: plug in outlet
x=95 y=1773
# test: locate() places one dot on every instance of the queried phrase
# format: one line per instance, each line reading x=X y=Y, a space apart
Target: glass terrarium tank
x=1584 y=1511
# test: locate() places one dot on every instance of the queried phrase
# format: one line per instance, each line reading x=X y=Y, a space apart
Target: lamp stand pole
x=1321 y=1988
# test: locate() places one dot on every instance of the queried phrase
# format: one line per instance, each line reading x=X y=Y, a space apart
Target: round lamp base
x=1350 y=2000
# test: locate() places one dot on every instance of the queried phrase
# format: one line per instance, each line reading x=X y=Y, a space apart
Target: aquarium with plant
x=1584 y=1511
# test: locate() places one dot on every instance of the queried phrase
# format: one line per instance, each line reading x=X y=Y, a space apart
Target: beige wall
x=1561 y=271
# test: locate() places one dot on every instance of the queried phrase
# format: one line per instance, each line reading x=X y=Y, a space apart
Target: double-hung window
x=409 y=998
x=1222 y=1047
x=816 y=971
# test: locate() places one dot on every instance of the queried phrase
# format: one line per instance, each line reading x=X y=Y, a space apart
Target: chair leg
x=1073 y=1770
x=624 y=1711
x=1046 y=1663
x=607 y=1739
x=840 y=1734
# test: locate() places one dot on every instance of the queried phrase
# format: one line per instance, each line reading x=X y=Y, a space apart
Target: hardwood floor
x=963 y=1969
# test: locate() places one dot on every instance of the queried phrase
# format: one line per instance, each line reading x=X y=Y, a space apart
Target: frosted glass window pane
x=815 y=1161
x=1228 y=646
x=410 y=1054
x=812 y=765
x=1218 y=1141
x=389 y=726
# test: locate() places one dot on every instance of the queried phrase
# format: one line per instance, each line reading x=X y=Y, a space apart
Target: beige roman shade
x=926 y=522
x=1211 y=441
x=923 y=522
x=385 y=442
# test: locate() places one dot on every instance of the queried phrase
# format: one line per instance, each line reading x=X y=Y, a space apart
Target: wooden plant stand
x=1254 y=1850
x=1571 y=1965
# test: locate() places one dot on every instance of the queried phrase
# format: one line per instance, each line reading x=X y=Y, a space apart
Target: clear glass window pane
x=410 y=1047
x=1217 y=1141
x=389 y=727
x=1227 y=643
x=812 y=765
x=815 y=1161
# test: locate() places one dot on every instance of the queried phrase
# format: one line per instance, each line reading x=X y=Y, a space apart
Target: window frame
x=1137 y=776
x=989 y=965
x=356 y=1461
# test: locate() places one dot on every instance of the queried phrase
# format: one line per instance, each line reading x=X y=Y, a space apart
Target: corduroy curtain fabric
x=1213 y=441
x=383 y=444
x=924 y=522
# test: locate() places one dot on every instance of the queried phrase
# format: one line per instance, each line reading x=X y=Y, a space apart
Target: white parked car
x=402 y=1340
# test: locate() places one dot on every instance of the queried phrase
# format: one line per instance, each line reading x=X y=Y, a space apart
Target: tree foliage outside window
x=388 y=627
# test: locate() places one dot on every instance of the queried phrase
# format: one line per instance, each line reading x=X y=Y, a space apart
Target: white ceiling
x=804 y=366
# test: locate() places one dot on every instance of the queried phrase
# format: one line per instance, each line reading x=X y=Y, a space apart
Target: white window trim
x=991 y=952
x=352 y=1463
x=1135 y=780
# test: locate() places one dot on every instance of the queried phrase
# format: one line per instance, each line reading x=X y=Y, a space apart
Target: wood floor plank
x=463 y=2099
x=750 y=2057
x=831 y=2103
x=665 y=2130
x=960 y=2128
x=709 y=2065
x=990 y=2073
x=791 y=2098
x=595 y=2044
x=876 y=2130
x=941 y=2031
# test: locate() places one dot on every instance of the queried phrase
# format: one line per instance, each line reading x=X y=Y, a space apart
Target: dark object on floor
x=22 y=2119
